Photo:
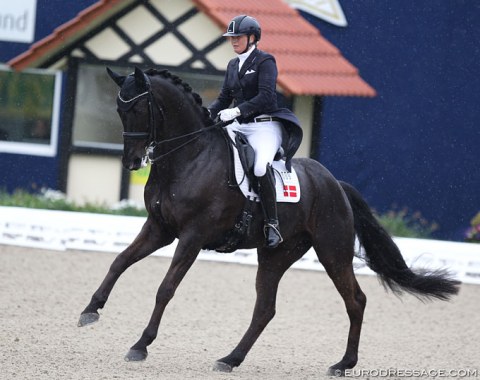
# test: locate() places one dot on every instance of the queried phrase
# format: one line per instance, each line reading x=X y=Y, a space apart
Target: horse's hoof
x=87 y=319
x=136 y=355
x=222 y=367
x=337 y=372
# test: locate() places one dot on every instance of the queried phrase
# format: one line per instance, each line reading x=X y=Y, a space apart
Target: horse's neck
x=196 y=150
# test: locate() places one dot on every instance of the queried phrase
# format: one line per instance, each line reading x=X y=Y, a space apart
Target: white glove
x=229 y=114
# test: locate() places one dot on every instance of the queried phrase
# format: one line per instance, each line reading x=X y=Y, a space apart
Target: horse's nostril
x=133 y=164
x=136 y=164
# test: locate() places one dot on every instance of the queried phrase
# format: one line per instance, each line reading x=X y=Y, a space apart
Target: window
x=207 y=86
x=29 y=112
x=96 y=123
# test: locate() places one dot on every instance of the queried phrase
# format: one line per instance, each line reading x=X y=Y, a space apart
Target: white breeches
x=265 y=138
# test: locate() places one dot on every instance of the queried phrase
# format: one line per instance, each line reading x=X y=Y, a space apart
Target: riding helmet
x=244 y=25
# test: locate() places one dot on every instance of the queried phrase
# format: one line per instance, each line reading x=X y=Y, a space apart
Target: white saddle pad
x=287 y=184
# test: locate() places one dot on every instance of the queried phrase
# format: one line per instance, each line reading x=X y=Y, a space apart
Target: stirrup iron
x=272 y=228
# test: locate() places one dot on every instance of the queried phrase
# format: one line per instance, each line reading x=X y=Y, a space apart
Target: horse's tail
x=383 y=256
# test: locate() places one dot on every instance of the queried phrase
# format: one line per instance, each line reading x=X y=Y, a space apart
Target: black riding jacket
x=253 y=91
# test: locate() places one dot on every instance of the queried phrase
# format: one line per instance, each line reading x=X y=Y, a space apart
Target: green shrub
x=406 y=224
x=397 y=223
x=473 y=233
x=55 y=200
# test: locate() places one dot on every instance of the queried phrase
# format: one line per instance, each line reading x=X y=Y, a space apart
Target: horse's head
x=156 y=110
x=134 y=105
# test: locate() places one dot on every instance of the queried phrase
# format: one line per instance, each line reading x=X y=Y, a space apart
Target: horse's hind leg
x=150 y=238
x=340 y=269
x=266 y=286
x=272 y=264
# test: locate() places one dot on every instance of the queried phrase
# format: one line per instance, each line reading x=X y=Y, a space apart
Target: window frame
x=38 y=149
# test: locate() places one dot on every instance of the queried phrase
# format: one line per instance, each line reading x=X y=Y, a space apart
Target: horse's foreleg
x=185 y=255
x=266 y=286
x=150 y=238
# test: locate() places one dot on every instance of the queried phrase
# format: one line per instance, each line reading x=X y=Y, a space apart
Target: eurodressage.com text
x=397 y=372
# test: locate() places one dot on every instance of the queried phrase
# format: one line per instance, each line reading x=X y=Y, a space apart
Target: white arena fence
x=62 y=230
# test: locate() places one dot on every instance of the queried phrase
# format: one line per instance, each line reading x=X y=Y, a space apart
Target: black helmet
x=244 y=25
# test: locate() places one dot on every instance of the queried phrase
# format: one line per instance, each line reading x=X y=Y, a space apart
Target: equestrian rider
x=250 y=88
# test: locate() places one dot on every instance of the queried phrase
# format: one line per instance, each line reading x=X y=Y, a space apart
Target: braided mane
x=186 y=88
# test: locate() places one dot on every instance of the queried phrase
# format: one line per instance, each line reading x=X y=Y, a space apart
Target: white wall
x=94 y=179
x=75 y=230
x=303 y=107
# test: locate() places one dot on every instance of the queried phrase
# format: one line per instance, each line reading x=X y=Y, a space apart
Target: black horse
x=189 y=196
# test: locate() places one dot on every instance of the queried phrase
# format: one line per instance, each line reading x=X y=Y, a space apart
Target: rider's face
x=239 y=43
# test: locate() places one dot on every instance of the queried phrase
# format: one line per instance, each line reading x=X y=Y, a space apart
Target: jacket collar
x=243 y=57
x=248 y=62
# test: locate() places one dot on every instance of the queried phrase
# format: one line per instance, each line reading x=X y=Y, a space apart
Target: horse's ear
x=117 y=78
x=140 y=79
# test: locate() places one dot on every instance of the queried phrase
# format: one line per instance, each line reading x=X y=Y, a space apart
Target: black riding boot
x=268 y=198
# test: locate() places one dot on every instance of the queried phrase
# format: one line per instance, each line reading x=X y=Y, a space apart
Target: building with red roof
x=185 y=37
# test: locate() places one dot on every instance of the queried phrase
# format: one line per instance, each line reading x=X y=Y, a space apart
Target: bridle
x=129 y=104
x=153 y=145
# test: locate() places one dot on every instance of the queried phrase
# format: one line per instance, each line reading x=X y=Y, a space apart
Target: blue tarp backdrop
x=417 y=144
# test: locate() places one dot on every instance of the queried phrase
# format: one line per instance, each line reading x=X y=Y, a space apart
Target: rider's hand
x=229 y=114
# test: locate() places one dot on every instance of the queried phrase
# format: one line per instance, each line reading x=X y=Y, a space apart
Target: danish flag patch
x=290 y=191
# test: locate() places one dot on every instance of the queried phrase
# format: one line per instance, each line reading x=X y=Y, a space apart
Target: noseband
x=153 y=145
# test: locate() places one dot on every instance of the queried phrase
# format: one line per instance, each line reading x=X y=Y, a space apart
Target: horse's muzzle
x=134 y=164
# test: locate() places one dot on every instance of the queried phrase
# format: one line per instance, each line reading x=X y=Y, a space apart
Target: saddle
x=241 y=173
x=241 y=162
x=246 y=155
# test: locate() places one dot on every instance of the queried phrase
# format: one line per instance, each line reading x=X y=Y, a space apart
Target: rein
x=151 y=135
x=153 y=145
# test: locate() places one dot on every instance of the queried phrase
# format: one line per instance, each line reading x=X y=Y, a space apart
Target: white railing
x=61 y=230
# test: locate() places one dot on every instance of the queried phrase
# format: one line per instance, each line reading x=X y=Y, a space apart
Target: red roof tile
x=308 y=64
x=87 y=19
x=335 y=85
x=288 y=43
